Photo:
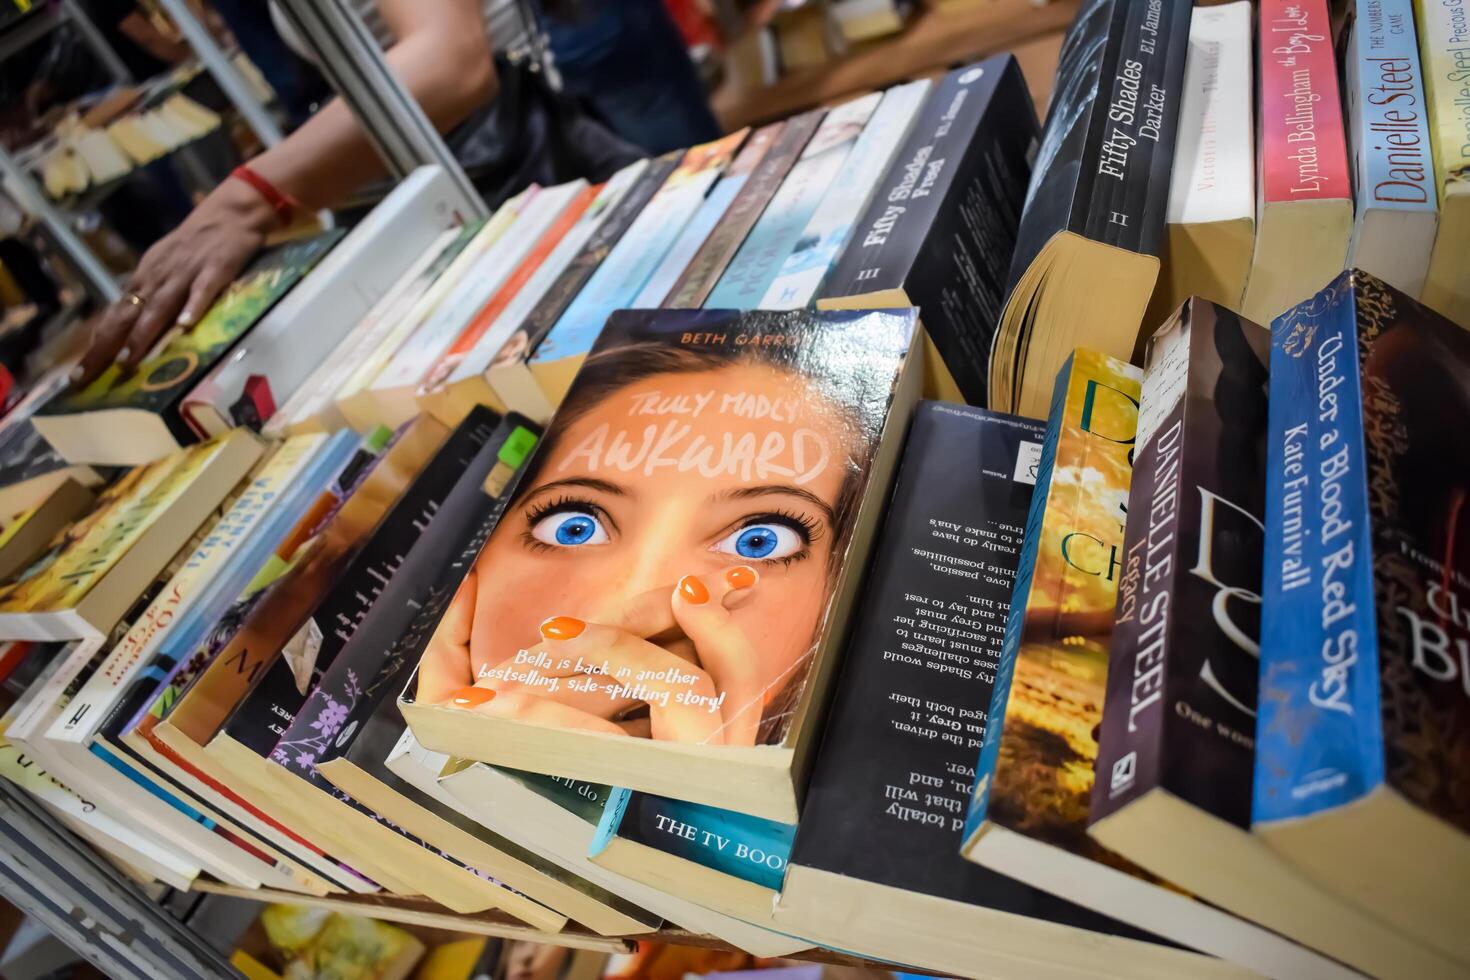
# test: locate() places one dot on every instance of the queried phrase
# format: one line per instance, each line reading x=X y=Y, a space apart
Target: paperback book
x=1442 y=42
x=1362 y=694
x=132 y=420
x=789 y=422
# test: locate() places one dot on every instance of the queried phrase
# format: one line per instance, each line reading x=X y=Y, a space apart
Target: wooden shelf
x=935 y=41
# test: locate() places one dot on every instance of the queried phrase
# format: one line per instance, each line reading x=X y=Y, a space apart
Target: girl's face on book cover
x=665 y=573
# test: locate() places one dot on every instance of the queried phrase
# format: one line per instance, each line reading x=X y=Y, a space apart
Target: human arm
x=442 y=56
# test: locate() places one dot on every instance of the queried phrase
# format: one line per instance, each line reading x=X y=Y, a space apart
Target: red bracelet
x=283 y=204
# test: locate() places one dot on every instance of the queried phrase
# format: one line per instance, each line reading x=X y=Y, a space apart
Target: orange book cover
x=496 y=305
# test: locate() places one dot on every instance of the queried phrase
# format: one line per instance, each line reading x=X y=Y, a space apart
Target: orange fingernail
x=562 y=628
x=693 y=590
x=741 y=577
x=471 y=697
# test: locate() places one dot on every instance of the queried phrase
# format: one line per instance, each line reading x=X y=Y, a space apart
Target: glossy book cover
x=677 y=539
x=1035 y=772
x=163 y=379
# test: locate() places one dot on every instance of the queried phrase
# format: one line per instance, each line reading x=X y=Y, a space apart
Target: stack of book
x=632 y=558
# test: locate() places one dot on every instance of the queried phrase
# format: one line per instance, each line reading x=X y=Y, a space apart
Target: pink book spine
x=1303 y=147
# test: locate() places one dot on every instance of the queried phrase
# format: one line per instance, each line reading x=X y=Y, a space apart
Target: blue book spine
x=1319 y=737
x=1390 y=115
x=1016 y=619
x=154 y=788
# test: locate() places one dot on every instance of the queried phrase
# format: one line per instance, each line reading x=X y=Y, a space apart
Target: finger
x=109 y=332
x=159 y=310
x=700 y=606
x=208 y=285
x=533 y=710
x=445 y=665
x=677 y=693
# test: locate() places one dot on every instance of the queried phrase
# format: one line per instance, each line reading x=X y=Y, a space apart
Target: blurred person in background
x=626 y=59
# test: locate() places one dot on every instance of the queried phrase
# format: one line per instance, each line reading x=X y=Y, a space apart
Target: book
x=353 y=399
x=389 y=773
x=854 y=186
x=939 y=232
x=1442 y=54
x=1033 y=781
x=896 y=762
x=1397 y=208
x=759 y=260
x=388 y=398
x=719 y=200
x=562 y=278
x=1361 y=674
x=557 y=818
x=271 y=366
x=627 y=267
x=448 y=394
x=525 y=217
x=313 y=408
x=1304 y=208
x=1210 y=225
x=30 y=470
x=1176 y=750
x=790 y=422
x=726 y=861
x=96 y=568
x=704 y=270
x=1086 y=258
x=129 y=421
x=27 y=535
x=198 y=579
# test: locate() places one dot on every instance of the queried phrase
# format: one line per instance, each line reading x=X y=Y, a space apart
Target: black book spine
x=261 y=719
x=1123 y=184
x=959 y=278
x=1184 y=662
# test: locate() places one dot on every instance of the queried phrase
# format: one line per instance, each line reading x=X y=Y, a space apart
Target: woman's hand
x=180 y=276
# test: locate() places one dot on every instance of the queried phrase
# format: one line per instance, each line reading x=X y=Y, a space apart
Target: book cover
x=771 y=240
x=1393 y=172
x=627 y=267
x=1362 y=699
x=1180 y=707
x=831 y=224
x=160 y=382
x=1035 y=768
x=757 y=434
x=940 y=230
x=136 y=526
x=703 y=222
x=1444 y=39
x=704 y=270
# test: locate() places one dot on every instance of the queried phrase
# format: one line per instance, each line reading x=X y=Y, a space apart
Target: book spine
x=1444 y=37
x=620 y=217
x=1134 y=123
x=735 y=844
x=714 y=256
x=1389 y=116
x=1303 y=148
x=1130 y=744
x=1319 y=735
x=958 y=276
x=1025 y=572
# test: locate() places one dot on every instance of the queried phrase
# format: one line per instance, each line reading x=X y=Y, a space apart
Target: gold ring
x=134 y=299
